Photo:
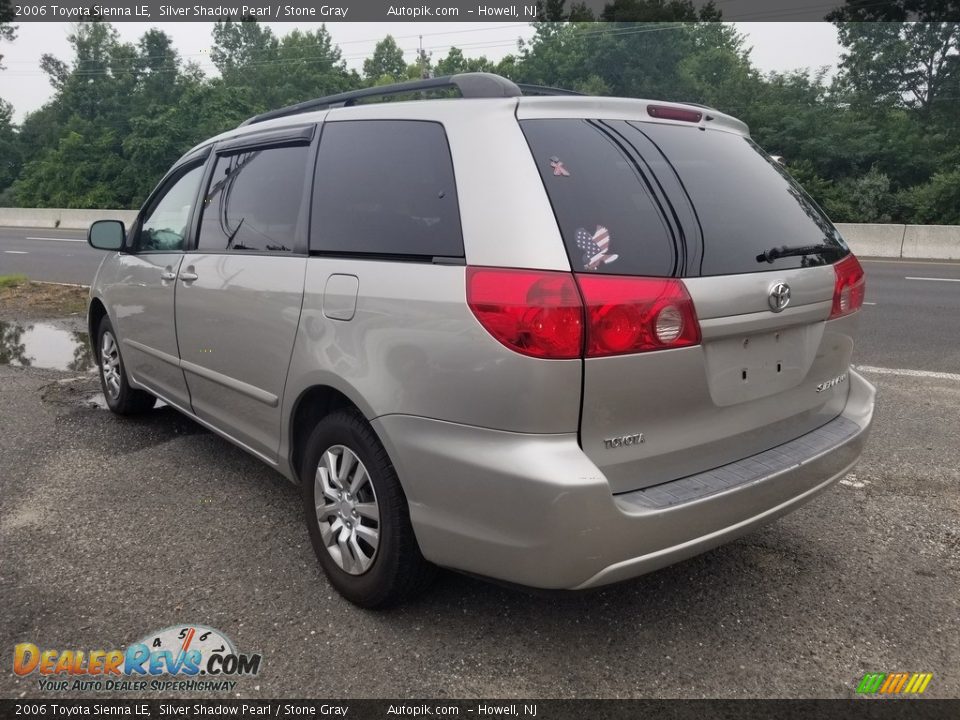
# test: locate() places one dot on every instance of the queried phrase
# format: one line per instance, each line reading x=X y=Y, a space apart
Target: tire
x=121 y=398
x=371 y=576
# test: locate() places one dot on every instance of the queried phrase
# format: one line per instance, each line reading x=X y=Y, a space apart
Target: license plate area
x=749 y=366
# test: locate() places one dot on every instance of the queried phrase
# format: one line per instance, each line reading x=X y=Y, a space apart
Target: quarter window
x=385 y=187
x=164 y=227
x=254 y=201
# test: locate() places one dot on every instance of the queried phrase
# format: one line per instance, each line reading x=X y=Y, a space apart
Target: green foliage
x=866 y=151
x=10 y=160
x=80 y=172
x=879 y=142
x=265 y=72
x=74 y=147
x=866 y=198
x=386 y=61
x=698 y=62
x=8 y=31
x=122 y=113
x=11 y=281
x=937 y=201
x=455 y=62
x=915 y=65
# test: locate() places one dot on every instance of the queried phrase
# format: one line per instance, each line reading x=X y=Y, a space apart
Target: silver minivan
x=555 y=340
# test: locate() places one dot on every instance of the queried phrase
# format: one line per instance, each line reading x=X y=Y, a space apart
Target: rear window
x=385 y=187
x=668 y=200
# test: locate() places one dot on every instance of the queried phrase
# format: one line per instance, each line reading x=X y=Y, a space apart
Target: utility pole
x=424 y=73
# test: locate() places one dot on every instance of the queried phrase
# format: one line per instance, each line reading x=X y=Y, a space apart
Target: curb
x=47 y=282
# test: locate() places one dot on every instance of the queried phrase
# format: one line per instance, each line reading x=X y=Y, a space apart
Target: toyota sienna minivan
x=549 y=339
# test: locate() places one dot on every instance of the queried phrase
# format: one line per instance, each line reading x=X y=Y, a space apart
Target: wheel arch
x=95 y=313
x=312 y=405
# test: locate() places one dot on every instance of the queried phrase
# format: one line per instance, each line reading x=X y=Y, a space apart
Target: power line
x=344 y=42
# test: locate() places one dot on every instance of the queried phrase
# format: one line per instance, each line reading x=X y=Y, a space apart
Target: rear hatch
x=658 y=199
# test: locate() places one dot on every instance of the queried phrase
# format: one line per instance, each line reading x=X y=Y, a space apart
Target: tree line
x=877 y=142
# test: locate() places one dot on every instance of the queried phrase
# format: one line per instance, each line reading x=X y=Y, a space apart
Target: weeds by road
x=24 y=299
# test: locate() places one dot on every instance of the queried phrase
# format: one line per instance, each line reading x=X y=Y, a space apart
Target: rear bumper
x=534 y=510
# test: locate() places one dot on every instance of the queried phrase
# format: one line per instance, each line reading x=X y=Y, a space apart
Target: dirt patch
x=28 y=300
x=83 y=390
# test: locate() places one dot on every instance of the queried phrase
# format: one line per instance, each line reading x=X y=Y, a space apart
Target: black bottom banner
x=485 y=709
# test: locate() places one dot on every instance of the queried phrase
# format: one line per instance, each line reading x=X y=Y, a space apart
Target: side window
x=254 y=201
x=165 y=225
x=385 y=187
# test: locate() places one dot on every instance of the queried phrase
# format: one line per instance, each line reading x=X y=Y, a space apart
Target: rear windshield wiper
x=784 y=251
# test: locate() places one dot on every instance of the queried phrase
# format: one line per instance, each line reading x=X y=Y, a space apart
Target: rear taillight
x=636 y=314
x=556 y=315
x=849 y=287
x=535 y=313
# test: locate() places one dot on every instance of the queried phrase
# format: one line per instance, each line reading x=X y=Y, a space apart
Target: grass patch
x=11 y=281
x=22 y=299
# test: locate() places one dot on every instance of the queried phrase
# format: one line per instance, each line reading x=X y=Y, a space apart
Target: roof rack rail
x=470 y=85
x=528 y=89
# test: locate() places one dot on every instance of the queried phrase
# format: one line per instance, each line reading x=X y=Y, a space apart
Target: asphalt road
x=111 y=528
x=914 y=319
x=47 y=254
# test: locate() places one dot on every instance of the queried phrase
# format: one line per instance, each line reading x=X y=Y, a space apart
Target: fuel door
x=340 y=297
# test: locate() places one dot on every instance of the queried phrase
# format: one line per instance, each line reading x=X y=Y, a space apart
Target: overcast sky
x=776 y=46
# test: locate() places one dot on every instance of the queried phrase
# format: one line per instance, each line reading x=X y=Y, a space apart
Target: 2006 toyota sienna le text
x=550 y=339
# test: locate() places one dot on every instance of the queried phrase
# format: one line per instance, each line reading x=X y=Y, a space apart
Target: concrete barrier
x=29 y=217
x=935 y=242
x=81 y=219
x=875 y=240
x=917 y=242
x=65 y=218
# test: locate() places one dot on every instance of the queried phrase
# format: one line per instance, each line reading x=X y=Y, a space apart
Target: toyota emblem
x=779 y=297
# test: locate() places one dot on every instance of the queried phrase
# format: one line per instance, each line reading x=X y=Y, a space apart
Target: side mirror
x=106 y=234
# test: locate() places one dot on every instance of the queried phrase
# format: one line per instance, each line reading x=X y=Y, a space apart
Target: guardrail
x=929 y=242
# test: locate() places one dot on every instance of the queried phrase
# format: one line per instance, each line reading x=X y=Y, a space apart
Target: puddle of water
x=44 y=345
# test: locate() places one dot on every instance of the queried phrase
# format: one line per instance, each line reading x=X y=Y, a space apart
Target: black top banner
x=472 y=10
x=488 y=709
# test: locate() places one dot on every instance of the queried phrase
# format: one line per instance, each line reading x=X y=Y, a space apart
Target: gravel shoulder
x=22 y=299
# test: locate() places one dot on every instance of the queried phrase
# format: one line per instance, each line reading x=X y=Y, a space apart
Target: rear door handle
x=168 y=274
x=188 y=276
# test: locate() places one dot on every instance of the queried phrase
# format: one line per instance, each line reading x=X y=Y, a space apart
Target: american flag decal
x=596 y=247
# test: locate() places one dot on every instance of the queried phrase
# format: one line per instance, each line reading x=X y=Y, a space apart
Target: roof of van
x=481 y=90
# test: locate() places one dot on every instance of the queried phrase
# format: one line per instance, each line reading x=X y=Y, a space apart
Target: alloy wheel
x=347 y=510
x=110 y=364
